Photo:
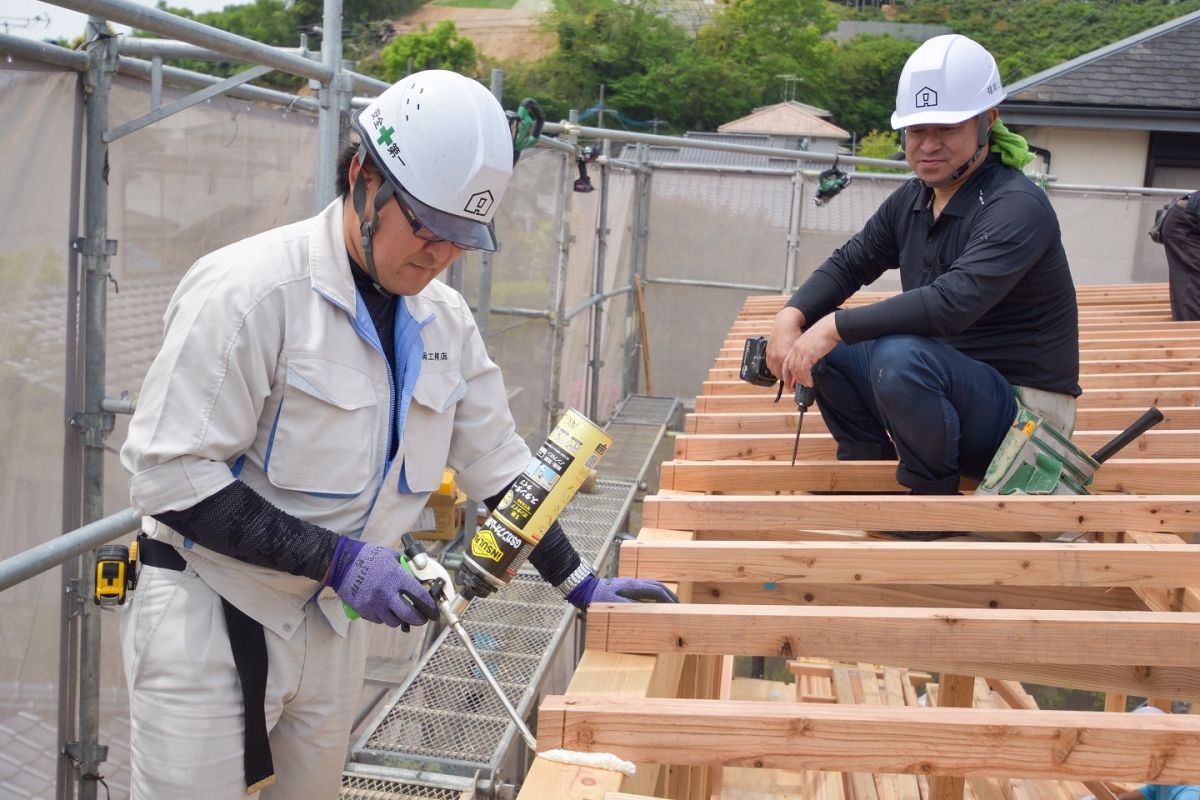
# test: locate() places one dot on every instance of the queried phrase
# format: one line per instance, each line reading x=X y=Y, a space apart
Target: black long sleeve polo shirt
x=989 y=277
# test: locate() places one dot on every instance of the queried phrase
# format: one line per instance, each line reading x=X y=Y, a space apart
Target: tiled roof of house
x=1152 y=69
x=785 y=119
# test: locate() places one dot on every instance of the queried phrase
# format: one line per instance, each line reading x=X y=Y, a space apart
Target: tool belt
x=248 y=642
x=1037 y=455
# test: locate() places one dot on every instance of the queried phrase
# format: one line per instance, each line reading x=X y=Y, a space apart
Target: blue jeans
x=942 y=412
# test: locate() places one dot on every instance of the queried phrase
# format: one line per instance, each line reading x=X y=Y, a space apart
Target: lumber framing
x=768 y=569
x=1127 y=476
x=1056 y=513
x=885 y=635
x=961 y=563
x=935 y=741
x=783 y=419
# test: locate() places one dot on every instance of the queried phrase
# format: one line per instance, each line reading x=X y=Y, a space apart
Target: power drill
x=754 y=370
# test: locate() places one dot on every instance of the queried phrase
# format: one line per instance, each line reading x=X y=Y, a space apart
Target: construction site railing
x=48 y=555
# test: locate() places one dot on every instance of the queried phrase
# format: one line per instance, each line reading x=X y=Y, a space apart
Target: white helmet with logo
x=946 y=80
x=443 y=144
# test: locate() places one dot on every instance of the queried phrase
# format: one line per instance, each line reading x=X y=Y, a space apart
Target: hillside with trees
x=678 y=71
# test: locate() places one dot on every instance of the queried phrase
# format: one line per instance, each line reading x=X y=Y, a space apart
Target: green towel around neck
x=1011 y=147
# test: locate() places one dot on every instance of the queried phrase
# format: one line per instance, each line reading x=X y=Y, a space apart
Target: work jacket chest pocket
x=429 y=428
x=326 y=434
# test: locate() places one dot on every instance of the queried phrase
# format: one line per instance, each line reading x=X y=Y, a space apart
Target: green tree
x=602 y=42
x=771 y=38
x=439 y=48
x=266 y=21
x=880 y=144
x=862 y=81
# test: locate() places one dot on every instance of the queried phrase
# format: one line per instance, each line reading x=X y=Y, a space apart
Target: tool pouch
x=1035 y=457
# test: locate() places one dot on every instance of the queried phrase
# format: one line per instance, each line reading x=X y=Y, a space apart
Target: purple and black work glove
x=371 y=580
x=619 y=590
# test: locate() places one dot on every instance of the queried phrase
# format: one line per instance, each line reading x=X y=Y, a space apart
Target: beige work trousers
x=185 y=701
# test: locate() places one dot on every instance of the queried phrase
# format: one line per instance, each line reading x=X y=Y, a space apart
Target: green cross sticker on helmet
x=442 y=141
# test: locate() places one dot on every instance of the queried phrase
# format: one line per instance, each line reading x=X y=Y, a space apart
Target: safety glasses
x=422 y=231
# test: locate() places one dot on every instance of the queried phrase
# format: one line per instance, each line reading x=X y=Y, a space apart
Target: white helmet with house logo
x=946 y=80
x=443 y=145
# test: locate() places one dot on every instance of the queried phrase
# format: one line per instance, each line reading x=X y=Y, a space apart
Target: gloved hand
x=619 y=590
x=372 y=581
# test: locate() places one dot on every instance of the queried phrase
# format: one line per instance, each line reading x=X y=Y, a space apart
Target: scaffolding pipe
x=93 y=423
x=184 y=77
x=582 y=132
x=72 y=469
x=483 y=317
x=558 y=325
x=50 y=554
x=169 y=48
x=597 y=349
x=749 y=287
x=237 y=47
x=575 y=311
x=796 y=216
x=41 y=51
x=329 y=97
x=641 y=184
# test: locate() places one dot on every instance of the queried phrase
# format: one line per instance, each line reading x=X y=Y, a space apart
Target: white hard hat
x=946 y=80
x=443 y=143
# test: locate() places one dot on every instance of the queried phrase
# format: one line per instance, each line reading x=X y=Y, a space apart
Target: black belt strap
x=248 y=641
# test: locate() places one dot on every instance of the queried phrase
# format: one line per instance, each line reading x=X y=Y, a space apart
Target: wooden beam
x=1181 y=682
x=615 y=674
x=729 y=366
x=1162 y=513
x=933 y=741
x=878 y=635
x=1124 y=475
x=1087 y=380
x=1137 y=396
x=957 y=563
x=783 y=420
x=954 y=691
x=815 y=446
x=921 y=595
x=1130 y=399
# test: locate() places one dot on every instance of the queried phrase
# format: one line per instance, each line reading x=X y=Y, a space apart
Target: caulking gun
x=434 y=577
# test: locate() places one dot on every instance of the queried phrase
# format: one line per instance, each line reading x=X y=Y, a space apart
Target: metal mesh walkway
x=443 y=731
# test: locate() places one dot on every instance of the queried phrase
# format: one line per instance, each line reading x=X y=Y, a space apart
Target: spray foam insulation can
x=537 y=497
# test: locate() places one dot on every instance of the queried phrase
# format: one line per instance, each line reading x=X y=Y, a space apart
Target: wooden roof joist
x=928 y=595
x=719 y=378
x=929 y=741
x=961 y=563
x=1095 y=366
x=1137 y=400
x=1108 y=349
x=1127 y=475
x=783 y=420
x=775 y=446
x=1055 y=513
x=1143 y=396
x=900 y=635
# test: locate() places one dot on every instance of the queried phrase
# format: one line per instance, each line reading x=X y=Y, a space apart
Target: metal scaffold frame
x=91 y=414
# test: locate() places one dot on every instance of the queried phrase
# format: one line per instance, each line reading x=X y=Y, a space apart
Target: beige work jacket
x=266 y=375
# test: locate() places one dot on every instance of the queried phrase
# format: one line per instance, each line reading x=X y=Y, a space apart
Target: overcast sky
x=17 y=17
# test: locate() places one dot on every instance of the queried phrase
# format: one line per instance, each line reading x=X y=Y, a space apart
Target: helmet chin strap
x=958 y=173
x=368 y=224
x=983 y=133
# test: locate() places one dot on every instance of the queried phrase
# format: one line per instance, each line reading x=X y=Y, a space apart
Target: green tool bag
x=1037 y=458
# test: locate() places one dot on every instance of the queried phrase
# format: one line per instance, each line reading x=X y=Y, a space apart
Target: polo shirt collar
x=958 y=203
